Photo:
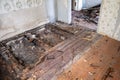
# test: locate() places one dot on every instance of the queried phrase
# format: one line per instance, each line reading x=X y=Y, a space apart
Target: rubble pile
x=28 y=50
x=86 y=17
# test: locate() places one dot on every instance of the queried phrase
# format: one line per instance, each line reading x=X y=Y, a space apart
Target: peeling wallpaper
x=13 y=5
x=109 y=23
x=17 y=16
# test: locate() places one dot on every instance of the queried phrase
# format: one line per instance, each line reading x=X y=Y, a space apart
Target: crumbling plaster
x=109 y=23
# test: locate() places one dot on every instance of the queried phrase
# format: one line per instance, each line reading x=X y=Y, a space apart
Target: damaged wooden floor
x=42 y=54
x=86 y=17
x=100 y=62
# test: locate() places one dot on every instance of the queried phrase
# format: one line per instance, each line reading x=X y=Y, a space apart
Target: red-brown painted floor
x=101 y=62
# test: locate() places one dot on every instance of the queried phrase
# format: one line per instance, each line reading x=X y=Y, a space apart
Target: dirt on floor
x=100 y=62
x=86 y=17
x=25 y=51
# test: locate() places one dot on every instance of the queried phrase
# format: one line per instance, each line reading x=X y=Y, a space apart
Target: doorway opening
x=86 y=15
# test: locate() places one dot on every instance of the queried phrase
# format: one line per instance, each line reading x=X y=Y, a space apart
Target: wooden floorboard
x=63 y=54
x=100 y=62
x=54 y=48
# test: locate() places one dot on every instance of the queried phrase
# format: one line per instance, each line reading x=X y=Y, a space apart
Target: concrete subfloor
x=100 y=62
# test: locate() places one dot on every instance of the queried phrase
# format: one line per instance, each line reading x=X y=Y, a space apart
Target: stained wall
x=109 y=23
x=17 y=16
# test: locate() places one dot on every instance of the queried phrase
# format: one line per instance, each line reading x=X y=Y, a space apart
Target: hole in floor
x=27 y=50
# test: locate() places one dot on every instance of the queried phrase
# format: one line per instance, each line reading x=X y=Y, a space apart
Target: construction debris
x=86 y=17
x=25 y=51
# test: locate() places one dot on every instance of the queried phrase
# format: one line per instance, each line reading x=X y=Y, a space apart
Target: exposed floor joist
x=44 y=53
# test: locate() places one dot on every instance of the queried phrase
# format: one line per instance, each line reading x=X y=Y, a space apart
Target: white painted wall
x=14 y=21
x=90 y=3
x=64 y=11
x=77 y=5
x=109 y=23
x=85 y=4
x=51 y=10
